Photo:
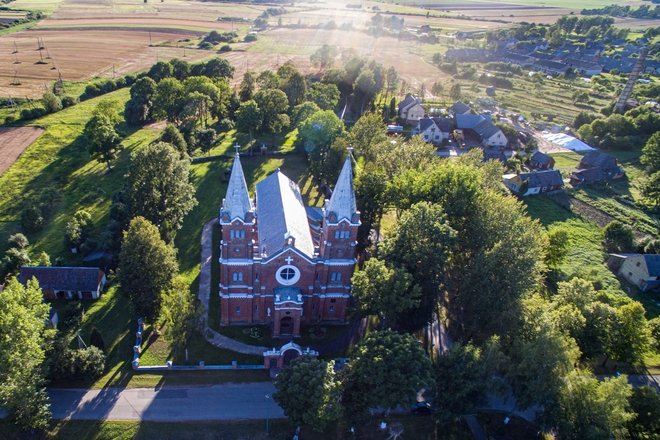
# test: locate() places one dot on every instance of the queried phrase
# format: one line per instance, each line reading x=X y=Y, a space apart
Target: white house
x=411 y=109
x=434 y=130
x=642 y=270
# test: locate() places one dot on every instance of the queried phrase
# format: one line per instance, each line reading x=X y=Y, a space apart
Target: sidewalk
x=204 y=295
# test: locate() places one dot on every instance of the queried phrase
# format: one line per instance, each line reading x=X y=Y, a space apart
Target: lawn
x=414 y=427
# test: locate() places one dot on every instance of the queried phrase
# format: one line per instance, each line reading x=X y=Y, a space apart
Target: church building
x=283 y=263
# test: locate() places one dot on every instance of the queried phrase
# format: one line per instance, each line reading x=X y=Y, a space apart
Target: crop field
x=510 y=4
x=81 y=54
x=13 y=141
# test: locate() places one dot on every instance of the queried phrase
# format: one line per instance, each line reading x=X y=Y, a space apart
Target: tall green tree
x=309 y=392
x=618 y=237
x=317 y=133
x=147 y=267
x=168 y=100
x=274 y=105
x=645 y=404
x=159 y=188
x=247 y=87
x=387 y=292
x=386 y=370
x=421 y=243
x=180 y=315
x=324 y=57
x=455 y=92
x=295 y=87
x=171 y=135
x=326 y=96
x=367 y=134
x=249 y=118
x=594 y=410
x=631 y=338
x=463 y=376
x=23 y=344
x=104 y=139
x=650 y=157
x=138 y=109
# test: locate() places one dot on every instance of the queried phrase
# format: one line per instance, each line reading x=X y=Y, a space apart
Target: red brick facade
x=285 y=287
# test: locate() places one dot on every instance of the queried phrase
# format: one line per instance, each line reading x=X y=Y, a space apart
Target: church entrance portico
x=288 y=312
x=286 y=326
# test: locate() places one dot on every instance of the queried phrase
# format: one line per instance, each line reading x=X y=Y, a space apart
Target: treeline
x=644 y=11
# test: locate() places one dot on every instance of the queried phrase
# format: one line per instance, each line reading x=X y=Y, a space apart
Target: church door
x=286 y=326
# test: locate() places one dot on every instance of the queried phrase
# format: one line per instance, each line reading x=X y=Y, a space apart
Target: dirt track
x=13 y=141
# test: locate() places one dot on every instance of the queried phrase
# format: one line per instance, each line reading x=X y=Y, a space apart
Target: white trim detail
x=287 y=281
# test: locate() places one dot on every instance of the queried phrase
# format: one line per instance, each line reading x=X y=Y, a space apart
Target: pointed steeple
x=237 y=203
x=342 y=202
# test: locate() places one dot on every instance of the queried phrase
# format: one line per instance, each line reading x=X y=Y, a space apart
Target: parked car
x=422 y=408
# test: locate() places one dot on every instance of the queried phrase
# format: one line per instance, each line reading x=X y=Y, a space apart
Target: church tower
x=341 y=218
x=237 y=217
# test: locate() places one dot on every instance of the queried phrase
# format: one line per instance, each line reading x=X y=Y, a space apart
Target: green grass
x=415 y=427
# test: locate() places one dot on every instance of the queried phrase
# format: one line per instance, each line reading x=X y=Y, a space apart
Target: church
x=282 y=263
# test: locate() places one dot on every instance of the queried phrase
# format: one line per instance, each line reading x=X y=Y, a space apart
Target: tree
x=309 y=392
x=147 y=267
x=323 y=57
x=317 y=133
x=16 y=256
x=367 y=133
x=218 y=68
x=18 y=241
x=138 y=109
x=160 y=71
x=654 y=329
x=618 y=237
x=630 y=339
x=248 y=118
x=22 y=354
x=104 y=140
x=455 y=92
x=386 y=370
x=179 y=315
x=159 y=188
x=645 y=404
x=463 y=376
x=387 y=292
x=538 y=367
x=437 y=88
x=302 y=112
x=420 y=243
x=593 y=410
x=268 y=79
x=78 y=229
x=295 y=87
x=171 y=135
x=247 y=87
x=204 y=138
x=180 y=69
x=274 y=105
x=51 y=102
x=651 y=189
x=169 y=99
x=650 y=157
x=370 y=188
x=326 y=96
x=392 y=81
x=557 y=246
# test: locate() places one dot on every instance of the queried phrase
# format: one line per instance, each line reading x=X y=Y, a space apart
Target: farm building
x=537 y=182
x=566 y=141
x=596 y=167
x=66 y=282
x=541 y=161
x=411 y=109
x=642 y=270
x=283 y=263
x=434 y=130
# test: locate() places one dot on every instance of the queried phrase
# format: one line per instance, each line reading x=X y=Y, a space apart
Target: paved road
x=218 y=402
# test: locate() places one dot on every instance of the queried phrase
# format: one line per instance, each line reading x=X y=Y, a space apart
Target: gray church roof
x=237 y=201
x=281 y=214
x=342 y=202
x=78 y=279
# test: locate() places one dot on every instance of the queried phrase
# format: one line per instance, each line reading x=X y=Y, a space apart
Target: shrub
x=91 y=91
x=226 y=124
x=618 y=237
x=10 y=119
x=249 y=38
x=68 y=101
x=85 y=363
x=71 y=316
x=206 y=45
x=96 y=339
x=51 y=102
x=32 y=219
x=225 y=48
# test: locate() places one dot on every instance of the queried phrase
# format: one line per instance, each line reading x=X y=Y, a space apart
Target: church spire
x=237 y=203
x=342 y=202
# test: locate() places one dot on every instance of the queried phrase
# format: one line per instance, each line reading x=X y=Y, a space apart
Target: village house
x=489 y=134
x=434 y=130
x=66 y=282
x=596 y=167
x=537 y=182
x=642 y=270
x=541 y=161
x=282 y=263
x=411 y=109
x=460 y=108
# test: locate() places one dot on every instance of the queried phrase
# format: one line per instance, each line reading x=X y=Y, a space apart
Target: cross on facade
x=288 y=259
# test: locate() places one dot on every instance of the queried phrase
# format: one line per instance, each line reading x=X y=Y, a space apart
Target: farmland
x=13 y=141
